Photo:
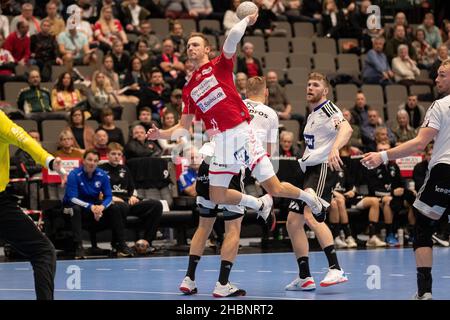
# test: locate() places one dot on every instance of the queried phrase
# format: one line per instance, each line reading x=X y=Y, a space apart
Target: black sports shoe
x=124 y=251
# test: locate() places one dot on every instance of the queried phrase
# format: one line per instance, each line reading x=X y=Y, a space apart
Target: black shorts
x=322 y=180
x=202 y=188
x=434 y=196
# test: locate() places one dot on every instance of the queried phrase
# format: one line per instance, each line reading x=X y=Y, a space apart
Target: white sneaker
x=318 y=204
x=339 y=243
x=267 y=203
x=334 y=276
x=425 y=296
x=351 y=243
x=299 y=284
x=374 y=241
x=227 y=290
x=188 y=286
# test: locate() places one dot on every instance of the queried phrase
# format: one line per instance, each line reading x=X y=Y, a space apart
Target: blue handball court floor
x=379 y=274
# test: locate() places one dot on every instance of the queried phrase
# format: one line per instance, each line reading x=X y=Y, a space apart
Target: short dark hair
x=145 y=109
x=91 y=151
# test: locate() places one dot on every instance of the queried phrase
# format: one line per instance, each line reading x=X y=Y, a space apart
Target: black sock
x=389 y=229
x=424 y=280
x=347 y=230
x=372 y=229
x=193 y=261
x=303 y=267
x=330 y=252
x=334 y=227
x=225 y=269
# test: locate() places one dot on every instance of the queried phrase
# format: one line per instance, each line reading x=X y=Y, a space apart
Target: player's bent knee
x=424 y=230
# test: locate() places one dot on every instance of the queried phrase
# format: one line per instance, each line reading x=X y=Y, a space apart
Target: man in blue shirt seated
x=89 y=195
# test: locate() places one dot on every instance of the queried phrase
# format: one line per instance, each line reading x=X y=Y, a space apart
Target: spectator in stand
x=154 y=44
x=188 y=177
x=360 y=115
x=120 y=58
x=139 y=146
x=18 y=43
x=265 y=25
x=198 y=9
x=333 y=19
x=143 y=53
x=115 y=6
x=376 y=67
x=57 y=24
x=391 y=48
x=144 y=119
x=90 y=10
x=125 y=195
x=44 y=50
x=26 y=15
x=66 y=146
x=173 y=9
x=248 y=64
x=442 y=55
x=135 y=78
x=432 y=33
x=400 y=20
x=312 y=9
x=4 y=25
x=241 y=84
x=156 y=94
x=405 y=69
x=374 y=132
x=403 y=131
x=64 y=94
x=133 y=15
x=176 y=104
x=35 y=101
x=230 y=18
x=115 y=134
x=176 y=34
x=101 y=143
x=293 y=11
x=416 y=112
x=426 y=54
x=88 y=194
x=169 y=62
x=355 y=140
x=83 y=133
x=74 y=48
x=287 y=146
x=168 y=121
x=107 y=29
x=7 y=68
x=101 y=95
x=279 y=101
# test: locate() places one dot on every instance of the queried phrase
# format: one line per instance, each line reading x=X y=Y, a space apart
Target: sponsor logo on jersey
x=211 y=100
x=242 y=156
x=204 y=86
x=98 y=184
x=309 y=139
x=254 y=112
x=442 y=190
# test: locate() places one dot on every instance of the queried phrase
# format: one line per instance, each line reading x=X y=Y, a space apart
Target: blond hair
x=256 y=86
x=320 y=77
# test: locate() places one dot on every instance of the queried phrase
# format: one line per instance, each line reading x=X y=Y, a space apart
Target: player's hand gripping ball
x=141 y=246
x=246 y=8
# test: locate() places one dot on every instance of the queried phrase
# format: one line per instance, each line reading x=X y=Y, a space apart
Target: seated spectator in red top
x=7 y=68
x=18 y=43
x=101 y=143
x=248 y=64
x=287 y=146
x=107 y=29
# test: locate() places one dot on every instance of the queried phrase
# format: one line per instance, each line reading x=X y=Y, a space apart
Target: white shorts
x=236 y=148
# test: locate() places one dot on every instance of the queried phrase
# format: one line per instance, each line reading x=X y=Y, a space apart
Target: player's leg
x=208 y=213
x=295 y=226
x=343 y=218
x=388 y=216
x=334 y=218
x=228 y=253
x=21 y=232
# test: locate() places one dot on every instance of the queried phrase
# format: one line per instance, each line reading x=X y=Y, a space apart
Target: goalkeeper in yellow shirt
x=15 y=226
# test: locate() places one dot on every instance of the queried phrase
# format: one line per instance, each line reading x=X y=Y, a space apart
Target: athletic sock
x=303 y=267
x=250 y=202
x=330 y=252
x=424 y=280
x=193 y=261
x=334 y=228
x=372 y=229
x=225 y=269
x=347 y=229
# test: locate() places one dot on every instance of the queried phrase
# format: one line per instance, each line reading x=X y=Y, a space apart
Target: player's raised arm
x=236 y=34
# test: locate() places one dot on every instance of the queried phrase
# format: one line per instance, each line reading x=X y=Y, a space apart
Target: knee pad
x=424 y=231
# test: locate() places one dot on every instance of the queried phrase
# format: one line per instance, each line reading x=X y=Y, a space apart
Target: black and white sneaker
x=440 y=239
x=228 y=290
x=266 y=207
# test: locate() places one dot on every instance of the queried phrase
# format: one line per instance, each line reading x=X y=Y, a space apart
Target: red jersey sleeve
x=188 y=105
x=222 y=62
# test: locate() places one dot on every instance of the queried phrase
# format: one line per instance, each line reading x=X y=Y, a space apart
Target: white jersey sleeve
x=433 y=116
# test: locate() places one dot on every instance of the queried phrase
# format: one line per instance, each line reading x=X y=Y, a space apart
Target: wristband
x=384 y=156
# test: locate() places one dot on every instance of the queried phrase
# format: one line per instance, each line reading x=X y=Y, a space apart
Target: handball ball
x=246 y=8
x=141 y=246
